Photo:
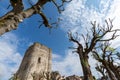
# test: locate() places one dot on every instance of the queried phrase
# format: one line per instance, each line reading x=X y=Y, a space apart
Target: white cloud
x=77 y=17
x=67 y=65
x=70 y=64
x=10 y=58
x=114 y=13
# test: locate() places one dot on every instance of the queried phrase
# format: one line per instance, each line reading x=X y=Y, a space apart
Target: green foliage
x=110 y=49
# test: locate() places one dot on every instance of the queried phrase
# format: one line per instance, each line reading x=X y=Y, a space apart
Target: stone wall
x=37 y=60
x=36 y=65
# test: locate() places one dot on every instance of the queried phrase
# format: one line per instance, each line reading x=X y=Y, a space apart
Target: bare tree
x=105 y=55
x=11 y=19
x=101 y=69
x=90 y=43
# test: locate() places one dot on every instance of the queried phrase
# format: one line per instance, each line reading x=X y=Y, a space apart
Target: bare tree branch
x=11 y=19
x=90 y=43
x=107 y=60
x=17 y=6
x=60 y=7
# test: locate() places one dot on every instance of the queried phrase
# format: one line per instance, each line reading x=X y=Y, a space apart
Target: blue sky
x=76 y=18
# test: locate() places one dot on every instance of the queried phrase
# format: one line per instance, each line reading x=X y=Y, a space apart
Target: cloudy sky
x=76 y=17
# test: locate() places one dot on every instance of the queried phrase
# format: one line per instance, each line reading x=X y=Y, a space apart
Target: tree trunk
x=86 y=67
x=111 y=75
x=11 y=20
x=116 y=72
x=104 y=76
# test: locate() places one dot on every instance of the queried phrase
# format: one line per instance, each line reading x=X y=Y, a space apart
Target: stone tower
x=37 y=59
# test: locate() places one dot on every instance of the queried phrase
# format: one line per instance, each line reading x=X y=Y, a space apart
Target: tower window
x=39 y=60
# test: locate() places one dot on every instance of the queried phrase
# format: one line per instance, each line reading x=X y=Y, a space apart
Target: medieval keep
x=37 y=59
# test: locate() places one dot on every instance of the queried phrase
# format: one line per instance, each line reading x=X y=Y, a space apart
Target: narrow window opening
x=39 y=60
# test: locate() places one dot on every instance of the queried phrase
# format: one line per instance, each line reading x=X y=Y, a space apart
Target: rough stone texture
x=36 y=65
x=57 y=76
x=73 y=77
x=37 y=60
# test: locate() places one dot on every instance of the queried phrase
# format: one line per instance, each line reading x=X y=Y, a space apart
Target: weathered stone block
x=37 y=60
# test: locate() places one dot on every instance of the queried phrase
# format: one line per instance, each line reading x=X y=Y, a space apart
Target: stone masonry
x=37 y=59
x=36 y=65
